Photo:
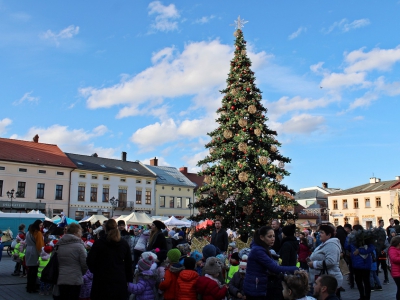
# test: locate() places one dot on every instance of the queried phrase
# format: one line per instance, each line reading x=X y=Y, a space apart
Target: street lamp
x=390 y=206
x=11 y=196
x=190 y=206
x=114 y=204
x=327 y=213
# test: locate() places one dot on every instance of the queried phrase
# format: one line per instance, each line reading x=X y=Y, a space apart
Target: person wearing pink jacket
x=394 y=256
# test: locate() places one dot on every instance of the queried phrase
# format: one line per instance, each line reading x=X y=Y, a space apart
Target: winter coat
x=186 y=285
x=278 y=240
x=145 y=288
x=86 y=287
x=158 y=242
x=141 y=244
x=210 y=289
x=259 y=263
x=303 y=252
x=71 y=256
x=236 y=285
x=288 y=251
x=328 y=252
x=394 y=256
x=232 y=271
x=134 y=240
x=168 y=285
x=127 y=237
x=373 y=263
x=34 y=244
x=43 y=261
x=220 y=239
x=111 y=265
x=363 y=260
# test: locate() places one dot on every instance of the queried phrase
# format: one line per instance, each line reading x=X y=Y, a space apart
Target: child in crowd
x=233 y=266
x=296 y=286
x=187 y=279
x=140 y=246
x=145 y=288
x=168 y=285
x=236 y=284
x=208 y=285
x=199 y=262
x=45 y=288
x=22 y=250
x=20 y=238
x=86 y=287
x=373 y=277
x=303 y=252
x=224 y=268
x=231 y=249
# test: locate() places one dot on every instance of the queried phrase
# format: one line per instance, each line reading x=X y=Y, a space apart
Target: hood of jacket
x=292 y=240
x=176 y=267
x=44 y=255
x=188 y=275
x=69 y=239
x=333 y=241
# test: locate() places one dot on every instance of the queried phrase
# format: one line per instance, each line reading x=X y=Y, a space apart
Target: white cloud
x=66 y=33
x=3 y=124
x=300 y=124
x=344 y=25
x=297 y=33
x=358 y=118
x=204 y=20
x=165 y=16
x=75 y=140
x=155 y=134
x=339 y=80
x=191 y=161
x=26 y=97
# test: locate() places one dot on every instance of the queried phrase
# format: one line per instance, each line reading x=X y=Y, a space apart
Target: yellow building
x=365 y=204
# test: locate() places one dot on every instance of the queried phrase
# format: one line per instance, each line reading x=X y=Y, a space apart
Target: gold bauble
x=243 y=52
x=279 y=178
x=248 y=209
x=242 y=99
x=243 y=176
x=234 y=92
x=257 y=131
x=252 y=109
x=271 y=192
x=228 y=134
x=273 y=148
x=242 y=147
x=263 y=160
x=242 y=122
x=207 y=179
x=212 y=150
x=236 y=33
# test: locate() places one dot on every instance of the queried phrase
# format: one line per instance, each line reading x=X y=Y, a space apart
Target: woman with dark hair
x=34 y=243
x=110 y=261
x=157 y=238
x=261 y=265
x=394 y=256
x=326 y=255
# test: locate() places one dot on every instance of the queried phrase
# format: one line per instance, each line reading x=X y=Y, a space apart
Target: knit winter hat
x=160 y=225
x=221 y=258
x=174 y=255
x=244 y=258
x=244 y=251
x=209 y=251
x=235 y=256
x=212 y=266
x=189 y=263
x=184 y=249
x=90 y=243
x=161 y=255
x=196 y=255
x=242 y=267
x=53 y=243
x=233 y=244
x=146 y=260
x=47 y=249
x=289 y=230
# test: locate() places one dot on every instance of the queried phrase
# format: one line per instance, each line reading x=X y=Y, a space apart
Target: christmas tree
x=244 y=168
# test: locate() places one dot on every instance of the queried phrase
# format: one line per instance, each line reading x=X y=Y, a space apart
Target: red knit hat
x=48 y=249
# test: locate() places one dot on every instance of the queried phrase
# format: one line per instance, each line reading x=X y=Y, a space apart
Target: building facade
x=110 y=187
x=365 y=204
x=36 y=174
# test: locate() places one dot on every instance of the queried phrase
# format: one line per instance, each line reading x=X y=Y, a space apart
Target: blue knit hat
x=209 y=251
x=196 y=255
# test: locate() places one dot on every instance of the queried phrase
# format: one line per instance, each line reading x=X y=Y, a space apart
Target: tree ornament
x=242 y=99
x=204 y=167
x=243 y=176
x=263 y=160
x=233 y=107
x=228 y=134
x=252 y=109
x=279 y=177
x=234 y=92
x=273 y=148
x=236 y=33
x=242 y=122
x=223 y=195
x=271 y=192
x=257 y=131
x=207 y=179
x=281 y=164
x=243 y=52
x=243 y=147
x=248 y=209
x=212 y=150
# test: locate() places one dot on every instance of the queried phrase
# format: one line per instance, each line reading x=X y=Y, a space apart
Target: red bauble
x=233 y=148
x=248 y=89
x=244 y=129
x=233 y=107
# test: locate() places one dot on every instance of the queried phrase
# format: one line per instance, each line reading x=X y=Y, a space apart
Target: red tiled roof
x=193 y=177
x=33 y=153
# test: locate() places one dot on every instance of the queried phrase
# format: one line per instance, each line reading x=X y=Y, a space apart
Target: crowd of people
x=153 y=262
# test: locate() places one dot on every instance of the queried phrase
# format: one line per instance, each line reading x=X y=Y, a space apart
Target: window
x=21 y=190
x=2 y=168
x=336 y=222
x=123 y=179
x=106 y=178
x=57 y=212
x=122 y=195
x=94 y=176
x=60 y=173
x=377 y=201
x=42 y=171
x=1 y=188
x=162 y=201
x=40 y=191
x=138 y=197
x=79 y=215
x=138 y=181
x=93 y=194
x=345 y=204
x=59 y=192
x=81 y=193
x=171 y=202
x=356 y=221
x=103 y=166
x=179 y=202
x=82 y=175
x=79 y=163
x=355 y=203
x=367 y=203
x=148 y=197
x=22 y=170
x=335 y=206
x=148 y=181
x=187 y=202
x=106 y=194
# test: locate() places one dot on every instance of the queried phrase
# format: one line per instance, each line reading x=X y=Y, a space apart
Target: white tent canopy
x=160 y=218
x=176 y=222
x=136 y=218
x=55 y=218
x=94 y=218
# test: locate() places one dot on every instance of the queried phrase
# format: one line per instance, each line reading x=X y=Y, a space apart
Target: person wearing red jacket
x=303 y=252
x=168 y=285
x=187 y=279
x=208 y=285
x=394 y=256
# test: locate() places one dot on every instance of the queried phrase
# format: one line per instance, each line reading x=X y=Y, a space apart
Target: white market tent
x=94 y=218
x=160 y=218
x=176 y=222
x=136 y=218
x=55 y=218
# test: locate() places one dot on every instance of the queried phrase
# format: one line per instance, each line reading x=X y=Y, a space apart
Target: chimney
x=36 y=139
x=325 y=185
x=154 y=162
x=374 y=180
x=94 y=155
x=397 y=177
x=183 y=170
x=123 y=156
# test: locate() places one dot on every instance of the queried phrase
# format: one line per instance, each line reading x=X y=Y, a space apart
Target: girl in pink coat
x=394 y=256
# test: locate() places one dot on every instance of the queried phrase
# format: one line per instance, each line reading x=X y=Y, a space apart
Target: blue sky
x=143 y=77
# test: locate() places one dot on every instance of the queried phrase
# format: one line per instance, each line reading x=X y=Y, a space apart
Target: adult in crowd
x=391 y=225
x=110 y=261
x=276 y=226
x=382 y=246
x=295 y=287
x=394 y=256
x=157 y=238
x=310 y=239
x=361 y=259
x=289 y=246
x=348 y=228
x=124 y=233
x=140 y=247
x=219 y=237
x=71 y=255
x=326 y=255
x=134 y=240
x=34 y=243
x=261 y=265
x=325 y=287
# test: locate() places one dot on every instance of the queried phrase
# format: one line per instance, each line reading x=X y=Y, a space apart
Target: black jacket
x=278 y=240
x=158 y=242
x=288 y=252
x=220 y=239
x=111 y=265
x=236 y=285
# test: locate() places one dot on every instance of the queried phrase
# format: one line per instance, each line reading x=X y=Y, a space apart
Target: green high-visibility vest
x=231 y=272
x=42 y=264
